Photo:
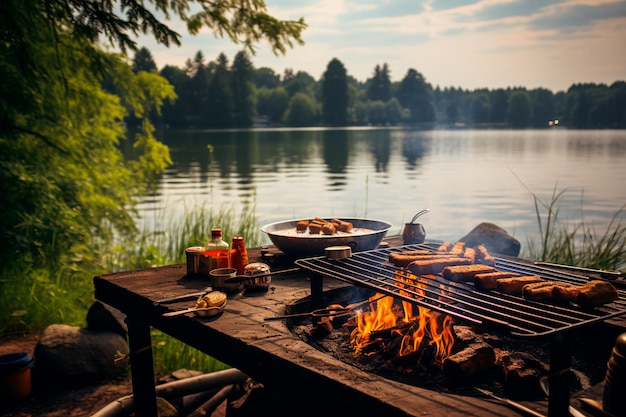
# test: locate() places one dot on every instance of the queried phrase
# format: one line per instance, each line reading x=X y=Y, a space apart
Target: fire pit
x=512 y=317
x=454 y=363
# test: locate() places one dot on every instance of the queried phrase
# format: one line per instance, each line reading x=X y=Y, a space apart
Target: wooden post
x=142 y=368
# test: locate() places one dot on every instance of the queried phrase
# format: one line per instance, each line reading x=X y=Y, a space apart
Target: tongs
x=326 y=312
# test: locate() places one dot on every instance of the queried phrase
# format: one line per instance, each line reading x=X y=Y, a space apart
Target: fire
x=426 y=326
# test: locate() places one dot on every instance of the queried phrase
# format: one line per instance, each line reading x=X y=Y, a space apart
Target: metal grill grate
x=510 y=314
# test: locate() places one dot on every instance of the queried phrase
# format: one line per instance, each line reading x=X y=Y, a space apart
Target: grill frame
x=503 y=313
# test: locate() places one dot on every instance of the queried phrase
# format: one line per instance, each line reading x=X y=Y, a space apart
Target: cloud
x=467 y=43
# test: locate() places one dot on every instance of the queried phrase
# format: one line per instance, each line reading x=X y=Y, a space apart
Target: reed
x=575 y=242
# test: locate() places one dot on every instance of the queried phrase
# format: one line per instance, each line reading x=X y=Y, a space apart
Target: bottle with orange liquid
x=218 y=250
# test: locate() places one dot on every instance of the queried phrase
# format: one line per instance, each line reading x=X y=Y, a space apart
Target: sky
x=467 y=44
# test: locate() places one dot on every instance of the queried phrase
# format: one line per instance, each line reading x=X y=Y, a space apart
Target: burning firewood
x=322 y=328
x=471 y=361
x=521 y=374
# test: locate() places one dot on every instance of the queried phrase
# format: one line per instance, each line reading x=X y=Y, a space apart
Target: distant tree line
x=218 y=94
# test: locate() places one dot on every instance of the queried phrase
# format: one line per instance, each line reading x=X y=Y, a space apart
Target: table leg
x=560 y=363
x=141 y=368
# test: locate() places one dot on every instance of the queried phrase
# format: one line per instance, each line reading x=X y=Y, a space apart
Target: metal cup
x=220 y=275
x=413 y=233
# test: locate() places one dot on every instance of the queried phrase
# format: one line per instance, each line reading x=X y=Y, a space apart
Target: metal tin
x=260 y=283
x=220 y=275
x=197 y=263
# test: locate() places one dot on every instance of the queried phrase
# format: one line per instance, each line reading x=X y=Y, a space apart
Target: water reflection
x=464 y=177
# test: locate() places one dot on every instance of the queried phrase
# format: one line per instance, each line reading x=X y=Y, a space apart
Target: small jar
x=257 y=284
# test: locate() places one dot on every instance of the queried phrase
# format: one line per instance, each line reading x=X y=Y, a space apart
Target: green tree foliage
x=273 y=103
x=63 y=104
x=143 y=61
x=220 y=103
x=479 y=107
x=265 y=77
x=244 y=90
x=520 y=110
x=379 y=86
x=499 y=99
x=393 y=112
x=302 y=110
x=416 y=95
x=335 y=94
x=543 y=106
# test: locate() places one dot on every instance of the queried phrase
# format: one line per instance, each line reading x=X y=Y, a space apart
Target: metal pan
x=365 y=235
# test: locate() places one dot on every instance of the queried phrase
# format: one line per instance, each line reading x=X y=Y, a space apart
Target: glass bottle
x=218 y=250
x=238 y=255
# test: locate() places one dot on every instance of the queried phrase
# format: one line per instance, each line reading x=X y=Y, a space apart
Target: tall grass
x=575 y=242
x=31 y=299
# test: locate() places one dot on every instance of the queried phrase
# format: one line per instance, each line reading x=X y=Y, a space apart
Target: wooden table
x=267 y=351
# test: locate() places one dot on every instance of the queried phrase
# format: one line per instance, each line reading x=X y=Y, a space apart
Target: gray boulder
x=104 y=317
x=494 y=238
x=70 y=355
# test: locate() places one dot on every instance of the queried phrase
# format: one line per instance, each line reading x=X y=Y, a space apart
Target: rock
x=494 y=238
x=165 y=409
x=104 y=317
x=70 y=355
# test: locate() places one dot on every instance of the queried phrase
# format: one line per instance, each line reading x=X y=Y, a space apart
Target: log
x=471 y=361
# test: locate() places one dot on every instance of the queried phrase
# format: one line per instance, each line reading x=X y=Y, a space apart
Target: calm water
x=464 y=177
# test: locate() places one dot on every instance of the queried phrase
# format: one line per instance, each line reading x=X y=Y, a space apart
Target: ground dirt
x=82 y=401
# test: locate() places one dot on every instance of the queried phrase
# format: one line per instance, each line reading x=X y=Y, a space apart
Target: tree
x=335 y=94
x=143 y=61
x=220 y=101
x=520 y=110
x=415 y=94
x=265 y=77
x=243 y=89
x=61 y=169
x=302 y=110
x=273 y=103
x=379 y=86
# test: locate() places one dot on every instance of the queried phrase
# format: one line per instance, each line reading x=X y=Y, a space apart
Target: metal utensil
x=184 y=296
x=517 y=406
x=326 y=312
x=545 y=387
x=193 y=310
x=419 y=214
x=594 y=407
x=242 y=278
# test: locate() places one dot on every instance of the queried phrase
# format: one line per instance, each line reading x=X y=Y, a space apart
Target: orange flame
x=426 y=325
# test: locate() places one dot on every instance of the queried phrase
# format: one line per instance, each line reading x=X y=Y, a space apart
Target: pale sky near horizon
x=453 y=43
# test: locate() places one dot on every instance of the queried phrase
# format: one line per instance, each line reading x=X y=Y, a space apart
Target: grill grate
x=500 y=312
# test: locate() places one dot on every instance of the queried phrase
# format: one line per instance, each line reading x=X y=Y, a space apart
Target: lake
x=464 y=177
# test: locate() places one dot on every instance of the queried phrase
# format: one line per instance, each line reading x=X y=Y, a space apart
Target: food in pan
x=302 y=225
x=342 y=225
x=319 y=225
x=465 y=272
